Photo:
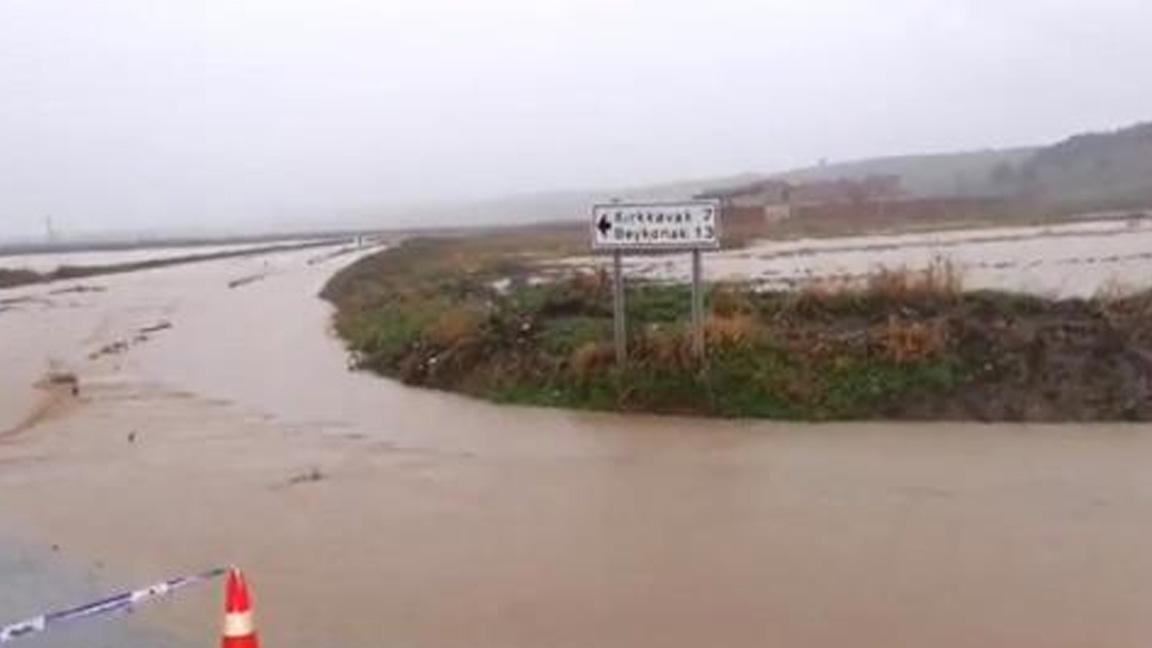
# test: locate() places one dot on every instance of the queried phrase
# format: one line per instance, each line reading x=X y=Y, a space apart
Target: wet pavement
x=35 y=581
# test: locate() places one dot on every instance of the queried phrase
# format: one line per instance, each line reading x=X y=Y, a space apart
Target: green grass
x=441 y=314
x=561 y=336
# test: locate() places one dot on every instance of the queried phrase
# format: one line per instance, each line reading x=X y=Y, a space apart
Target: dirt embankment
x=466 y=315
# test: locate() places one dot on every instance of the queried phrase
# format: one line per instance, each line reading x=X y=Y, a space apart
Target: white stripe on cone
x=238 y=624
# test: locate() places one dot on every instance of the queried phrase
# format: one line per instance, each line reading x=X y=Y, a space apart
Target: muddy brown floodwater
x=369 y=514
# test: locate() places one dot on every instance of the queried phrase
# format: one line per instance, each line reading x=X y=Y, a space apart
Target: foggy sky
x=141 y=114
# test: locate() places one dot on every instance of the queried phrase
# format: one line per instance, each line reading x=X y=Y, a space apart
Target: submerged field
x=46 y=268
x=1069 y=259
x=477 y=315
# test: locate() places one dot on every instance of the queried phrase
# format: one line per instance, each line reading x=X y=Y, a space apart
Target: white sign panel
x=656 y=226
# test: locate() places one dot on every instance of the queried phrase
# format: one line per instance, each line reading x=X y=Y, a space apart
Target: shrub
x=907 y=341
x=941 y=280
x=735 y=331
x=590 y=360
x=456 y=325
x=562 y=336
x=732 y=299
x=664 y=349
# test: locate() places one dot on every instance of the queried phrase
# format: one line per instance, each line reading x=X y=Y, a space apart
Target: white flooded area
x=1070 y=260
x=217 y=422
x=46 y=262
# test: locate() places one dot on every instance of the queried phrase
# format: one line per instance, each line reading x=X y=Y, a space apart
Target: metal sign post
x=618 y=314
x=697 y=307
x=646 y=228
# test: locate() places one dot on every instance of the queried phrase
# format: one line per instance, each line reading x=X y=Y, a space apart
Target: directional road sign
x=648 y=227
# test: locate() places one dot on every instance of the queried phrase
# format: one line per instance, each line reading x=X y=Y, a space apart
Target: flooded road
x=370 y=514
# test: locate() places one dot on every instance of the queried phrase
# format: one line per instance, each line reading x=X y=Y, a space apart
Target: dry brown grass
x=732 y=299
x=940 y=280
x=906 y=341
x=736 y=330
x=820 y=288
x=1124 y=306
x=456 y=325
x=591 y=285
x=475 y=253
x=592 y=359
x=1114 y=290
x=672 y=349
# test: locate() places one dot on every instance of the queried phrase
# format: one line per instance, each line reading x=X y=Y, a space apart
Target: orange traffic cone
x=239 y=628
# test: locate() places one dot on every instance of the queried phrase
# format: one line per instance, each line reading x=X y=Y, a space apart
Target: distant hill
x=953 y=174
x=1106 y=169
x=1091 y=171
x=950 y=174
x=927 y=175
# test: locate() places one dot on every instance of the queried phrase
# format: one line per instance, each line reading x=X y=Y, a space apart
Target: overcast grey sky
x=146 y=114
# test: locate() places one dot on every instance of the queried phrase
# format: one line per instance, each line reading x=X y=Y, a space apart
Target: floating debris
x=115 y=348
x=155 y=328
x=244 y=281
x=79 y=290
x=312 y=476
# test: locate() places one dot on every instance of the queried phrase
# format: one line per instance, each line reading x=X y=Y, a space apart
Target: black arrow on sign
x=603 y=225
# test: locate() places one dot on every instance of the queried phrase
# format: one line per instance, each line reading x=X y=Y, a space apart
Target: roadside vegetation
x=487 y=316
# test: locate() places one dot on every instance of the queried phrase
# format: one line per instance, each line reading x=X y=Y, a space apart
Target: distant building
x=771 y=197
x=774 y=200
x=842 y=191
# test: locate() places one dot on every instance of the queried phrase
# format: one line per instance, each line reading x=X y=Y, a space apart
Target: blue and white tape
x=110 y=605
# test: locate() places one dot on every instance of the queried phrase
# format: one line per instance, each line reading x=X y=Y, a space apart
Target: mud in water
x=54 y=401
x=370 y=514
